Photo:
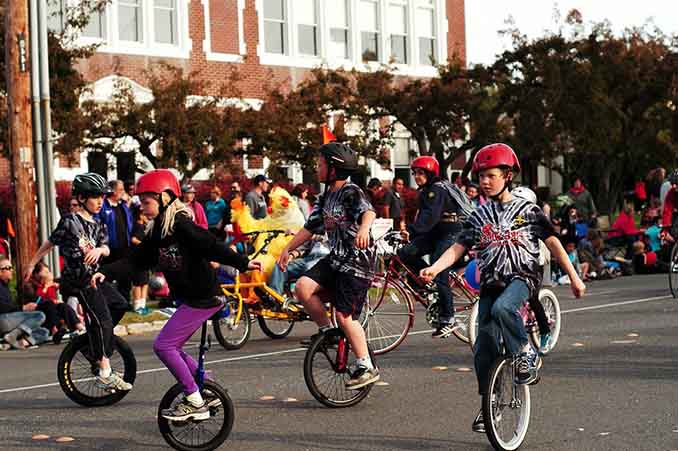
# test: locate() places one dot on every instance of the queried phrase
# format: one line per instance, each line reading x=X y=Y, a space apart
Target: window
x=369 y=29
x=96 y=27
x=130 y=21
x=56 y=15
x=337 y=14
x=426 y=33
x=307 y=26
x=275 y=27
x=397 y=19
x=165 y=16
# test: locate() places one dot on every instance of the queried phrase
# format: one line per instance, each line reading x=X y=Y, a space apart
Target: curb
x=122 y=330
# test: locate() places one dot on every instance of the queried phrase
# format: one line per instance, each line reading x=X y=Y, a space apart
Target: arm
x=451 y=255
x=429 y=213
x=557 y=251
x=46 y=247
x=301 y=237
x=362 y=238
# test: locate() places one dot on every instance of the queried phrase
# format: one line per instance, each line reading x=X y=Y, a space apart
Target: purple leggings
x=176 y=332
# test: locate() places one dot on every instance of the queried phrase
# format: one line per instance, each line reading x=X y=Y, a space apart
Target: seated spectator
x=18 y=329
x=46 y=299
x=568 y=226
x=651 y=213
x=590 y=250
x=652 y=234
x=624 y=232
x=647 y=262
x=302 y=259
x=572 y=254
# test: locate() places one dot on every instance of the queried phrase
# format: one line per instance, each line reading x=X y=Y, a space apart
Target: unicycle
x=326 y=370
x=198 y=435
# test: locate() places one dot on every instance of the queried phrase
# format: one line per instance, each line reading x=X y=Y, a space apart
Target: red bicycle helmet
x=157 y=181
x=496 y=155
x=426 y=163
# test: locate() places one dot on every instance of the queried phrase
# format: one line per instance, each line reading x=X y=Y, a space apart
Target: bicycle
x=326 y=370
x=389 y=307
x=198 y=435
x=77 y=369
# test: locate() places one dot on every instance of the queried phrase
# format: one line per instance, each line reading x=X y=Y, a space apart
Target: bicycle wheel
x=232 y=335
x=202 y=435
x=673 y=271
x=473 y=325
x=326 y=372
x=506 y=407
x=275 y=328
x=387 y=317
x=77 y=371
x=549 y=301
x=463 y=305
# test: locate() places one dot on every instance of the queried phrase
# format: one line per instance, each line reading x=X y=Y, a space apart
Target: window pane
x=338 y=46
x=367 y=15
x=308 y=42
x=399 y=49
x=274 y=37
x=426 y=51
x=370 y=46
x=337 y=13
x=274 y=9
x=304 y=10
x=397 y=19
x=130 y=23
x=55 y=16
x=96 y=28
x=165 y=23
x=425 y=23
x=164 y=3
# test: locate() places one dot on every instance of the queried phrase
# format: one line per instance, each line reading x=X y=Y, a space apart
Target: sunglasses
x=6 y=268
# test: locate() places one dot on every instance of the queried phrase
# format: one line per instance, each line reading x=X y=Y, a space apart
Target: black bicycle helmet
x=89 y=184
x=673 y=177
x=340 y=157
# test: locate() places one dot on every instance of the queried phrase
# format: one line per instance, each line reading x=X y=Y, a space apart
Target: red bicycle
x=388 y=314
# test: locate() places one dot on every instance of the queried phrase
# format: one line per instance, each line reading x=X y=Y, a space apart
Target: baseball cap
x=261 y=178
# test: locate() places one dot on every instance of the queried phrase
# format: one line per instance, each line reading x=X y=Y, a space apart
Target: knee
x=501 y=311
x=303 y=289
x=160 y=346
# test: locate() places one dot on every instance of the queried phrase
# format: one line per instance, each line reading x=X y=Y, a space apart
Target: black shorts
x=349 y=292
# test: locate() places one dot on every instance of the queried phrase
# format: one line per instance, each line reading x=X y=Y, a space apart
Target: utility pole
x=17 y=59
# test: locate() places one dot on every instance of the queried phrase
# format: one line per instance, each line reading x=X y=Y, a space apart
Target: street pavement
x=610 y=384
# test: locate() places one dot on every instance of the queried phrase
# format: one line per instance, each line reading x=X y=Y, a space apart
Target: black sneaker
x=479 y=423
x=333 y=333
x=445 y=330
x=361 y=377
x=527 y=370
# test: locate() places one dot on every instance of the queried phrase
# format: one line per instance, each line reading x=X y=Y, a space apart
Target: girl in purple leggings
x=183 y=251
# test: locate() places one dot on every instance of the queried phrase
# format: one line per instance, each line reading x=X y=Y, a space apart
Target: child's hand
x=428 y=274
x=254 y=265
x=362 y=238
x=578 y=287
x=283 y=260
x=93 y=256
x=96 y=279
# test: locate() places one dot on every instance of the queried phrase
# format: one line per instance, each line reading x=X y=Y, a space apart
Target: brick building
x=267 y=40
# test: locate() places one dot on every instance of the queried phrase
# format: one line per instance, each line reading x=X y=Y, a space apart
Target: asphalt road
x=611 y=384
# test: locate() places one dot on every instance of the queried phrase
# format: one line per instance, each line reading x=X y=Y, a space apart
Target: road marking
x=614 y=304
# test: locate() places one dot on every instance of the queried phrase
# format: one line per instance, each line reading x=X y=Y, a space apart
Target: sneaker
x=185 y=411
x=527 y=371
x=445 y=330
x=362 y=377
x=113 y=383
x=142 y=311
x=479 y=423
x=544 y=342
x=58 y=336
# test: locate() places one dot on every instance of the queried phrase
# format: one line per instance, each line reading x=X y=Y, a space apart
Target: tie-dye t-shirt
x=340 y=217
x=506 y=238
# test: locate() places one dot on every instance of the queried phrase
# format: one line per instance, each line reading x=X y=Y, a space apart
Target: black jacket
x=6 y=304
x=184 y=258
x=438 y=213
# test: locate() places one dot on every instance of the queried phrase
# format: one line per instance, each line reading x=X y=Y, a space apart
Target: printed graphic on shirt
x=506 y=237
x=339 y=217
x=170 y=258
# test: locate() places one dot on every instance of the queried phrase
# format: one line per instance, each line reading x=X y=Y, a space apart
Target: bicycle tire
x=473 y=325
x=325 y=352
x=269 y=329
x=463 y=305
x=388 y=315
x=495 y=406
x=229 y=335
x=549 y=301
x=673 y=271
x=210 y=392
x=76 y=372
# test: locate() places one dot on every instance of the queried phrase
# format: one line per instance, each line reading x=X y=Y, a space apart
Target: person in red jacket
x=670 y=214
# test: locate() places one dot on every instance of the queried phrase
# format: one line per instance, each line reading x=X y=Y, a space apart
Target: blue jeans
x=295 y=269
x=29 y=322
x=422 y=245
x=499 y=317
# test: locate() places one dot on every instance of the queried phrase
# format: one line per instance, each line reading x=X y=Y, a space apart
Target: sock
x=195 y=399
x=366 y=362
x=105 y=372
x=139 y=303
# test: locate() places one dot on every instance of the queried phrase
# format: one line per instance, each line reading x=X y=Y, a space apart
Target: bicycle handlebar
x=258 y=232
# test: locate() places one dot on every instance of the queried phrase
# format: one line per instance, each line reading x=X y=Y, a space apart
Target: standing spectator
x=300 y=194
x=256 y=200
x=140 y=278
x=639 y=195
x=73 y=205
x=583 y=201
x=117 y=217
x=188 y=198
x=663 y=191
x=233 y=193
x=214 y=210
x=19 y=329
x=394 y=205
x=655 y=179
x=374 y=196
x=473 y=194
x=132 y=199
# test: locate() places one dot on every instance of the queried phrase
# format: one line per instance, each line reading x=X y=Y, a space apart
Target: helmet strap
x=507 y=185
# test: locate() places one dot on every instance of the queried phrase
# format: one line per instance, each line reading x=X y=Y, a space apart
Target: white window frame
x=175 y=18
x=287 y=42
x=407 y=35
x=349 y=29
x=295 y=34
x=436 y=35
x=207 y=42
x=381 y=35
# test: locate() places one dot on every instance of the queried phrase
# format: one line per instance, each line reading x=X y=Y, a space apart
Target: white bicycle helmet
x=524 y=192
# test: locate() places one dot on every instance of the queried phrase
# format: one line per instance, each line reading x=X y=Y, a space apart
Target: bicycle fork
x=205 y=343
